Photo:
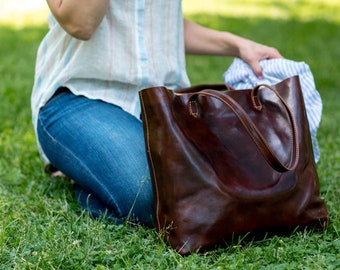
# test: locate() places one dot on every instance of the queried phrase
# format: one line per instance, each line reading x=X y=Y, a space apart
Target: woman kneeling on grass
x=90 y=66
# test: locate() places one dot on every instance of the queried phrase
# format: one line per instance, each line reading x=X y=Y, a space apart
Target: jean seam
x=40 y=122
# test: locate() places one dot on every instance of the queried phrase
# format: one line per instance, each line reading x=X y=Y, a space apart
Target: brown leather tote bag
x=226 y=162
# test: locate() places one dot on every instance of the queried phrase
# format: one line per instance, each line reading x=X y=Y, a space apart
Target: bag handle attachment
x=254 y=96
x=259 y=140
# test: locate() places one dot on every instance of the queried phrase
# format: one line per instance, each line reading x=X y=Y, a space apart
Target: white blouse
x=138 y=44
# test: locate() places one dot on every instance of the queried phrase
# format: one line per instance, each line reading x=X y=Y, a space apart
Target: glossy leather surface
x=227 y=162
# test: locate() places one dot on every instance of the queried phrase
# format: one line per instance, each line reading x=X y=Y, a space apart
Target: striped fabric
x=240 y=76
x=138 y=44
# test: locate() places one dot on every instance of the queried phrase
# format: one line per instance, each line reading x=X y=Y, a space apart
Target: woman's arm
x=79 y=18
x=202 y=40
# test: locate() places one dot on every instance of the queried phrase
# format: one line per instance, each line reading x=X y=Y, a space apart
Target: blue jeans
x=101 y=147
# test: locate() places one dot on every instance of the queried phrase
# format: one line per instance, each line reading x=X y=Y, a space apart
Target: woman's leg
x=101 y=147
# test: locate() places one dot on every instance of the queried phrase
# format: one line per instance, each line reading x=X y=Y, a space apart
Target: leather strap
x=260 y=142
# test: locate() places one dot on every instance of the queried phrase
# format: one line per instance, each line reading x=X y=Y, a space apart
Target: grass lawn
x=41 y=226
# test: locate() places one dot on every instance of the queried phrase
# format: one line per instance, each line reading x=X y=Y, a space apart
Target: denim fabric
x=101 y=147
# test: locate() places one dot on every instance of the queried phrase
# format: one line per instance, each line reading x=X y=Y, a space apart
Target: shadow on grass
x=315 y=42
x=51 y=229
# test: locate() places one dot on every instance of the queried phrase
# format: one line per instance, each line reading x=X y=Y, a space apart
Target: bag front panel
x=209 y=179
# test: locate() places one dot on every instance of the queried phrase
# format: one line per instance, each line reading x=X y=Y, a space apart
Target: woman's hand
x=252 y=53
x=79 y=18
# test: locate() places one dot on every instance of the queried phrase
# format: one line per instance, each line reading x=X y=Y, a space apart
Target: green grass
x=41 y=226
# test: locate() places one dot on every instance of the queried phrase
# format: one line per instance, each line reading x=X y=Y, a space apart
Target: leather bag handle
x=260 y=142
